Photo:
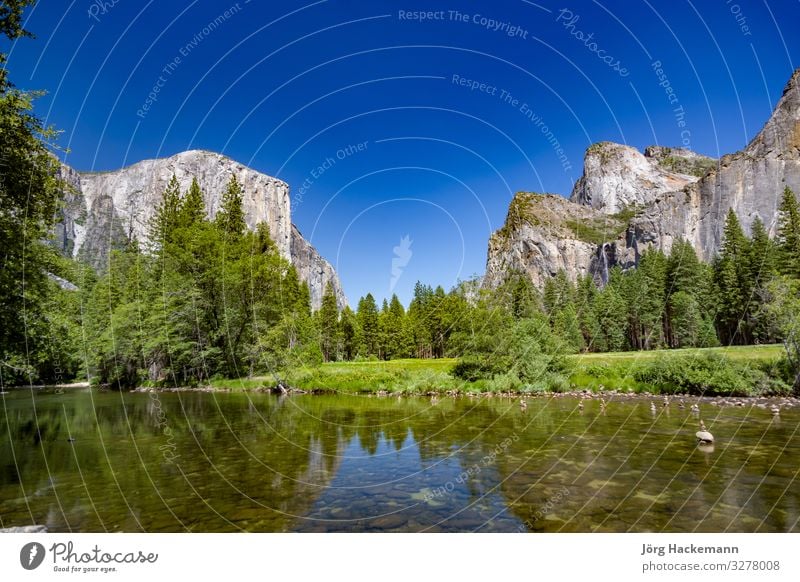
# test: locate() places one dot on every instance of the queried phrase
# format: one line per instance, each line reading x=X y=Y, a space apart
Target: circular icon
x=31 y=555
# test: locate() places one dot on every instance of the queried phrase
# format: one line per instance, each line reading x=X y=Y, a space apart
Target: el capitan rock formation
x=104 y=209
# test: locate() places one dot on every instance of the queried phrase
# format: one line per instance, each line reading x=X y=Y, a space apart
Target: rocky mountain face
x=616 y=176
x=102 y=210
x=627 y=201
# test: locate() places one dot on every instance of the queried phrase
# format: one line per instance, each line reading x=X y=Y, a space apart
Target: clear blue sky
x=285 y=86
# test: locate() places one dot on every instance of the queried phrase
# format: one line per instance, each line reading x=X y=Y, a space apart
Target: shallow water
x=257 y=462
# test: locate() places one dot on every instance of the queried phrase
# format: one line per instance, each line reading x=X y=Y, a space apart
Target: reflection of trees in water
x=256 y=461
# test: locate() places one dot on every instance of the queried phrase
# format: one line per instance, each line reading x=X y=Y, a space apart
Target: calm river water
x=206 y=462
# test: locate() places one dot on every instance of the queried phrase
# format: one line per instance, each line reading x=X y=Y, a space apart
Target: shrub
x=710 y=374
x=472 y=368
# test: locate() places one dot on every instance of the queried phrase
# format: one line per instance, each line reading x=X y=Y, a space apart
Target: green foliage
x=165 y=220
x=367 y=317
x=693 y=167
x=708 y=375
x=525 y=352
x=567 y=326
x=210 y=300
x=610 y=311
x=788 y=239
x=782 y=308
x=329 y=324
x=734 y=284
x=30 y=194
x=193 y=209
x=230 y=218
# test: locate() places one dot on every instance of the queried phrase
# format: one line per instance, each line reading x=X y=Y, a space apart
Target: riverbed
x=89 y=461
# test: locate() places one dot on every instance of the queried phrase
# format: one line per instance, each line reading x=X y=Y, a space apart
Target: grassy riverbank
x=736 y=371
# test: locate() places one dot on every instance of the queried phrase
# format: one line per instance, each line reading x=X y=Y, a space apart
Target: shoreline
x=609 y=396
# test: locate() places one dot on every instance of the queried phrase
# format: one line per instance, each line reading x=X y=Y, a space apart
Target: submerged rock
x=25 y=529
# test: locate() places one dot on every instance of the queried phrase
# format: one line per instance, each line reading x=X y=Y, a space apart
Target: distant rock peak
x=780 y=136
x=617 y=176
x=627 y=201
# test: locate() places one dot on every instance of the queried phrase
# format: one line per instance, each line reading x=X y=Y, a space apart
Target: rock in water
x=703 y=436
x=29 y=529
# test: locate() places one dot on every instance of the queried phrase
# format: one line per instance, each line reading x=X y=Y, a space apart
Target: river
x=85 y=461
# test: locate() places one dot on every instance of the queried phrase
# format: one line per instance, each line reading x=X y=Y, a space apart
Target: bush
x=508 y=382
x=472 y=368
x=711 y=375
x=526 y=353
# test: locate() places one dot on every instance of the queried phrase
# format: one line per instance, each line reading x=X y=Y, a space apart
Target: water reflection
x=231 y=462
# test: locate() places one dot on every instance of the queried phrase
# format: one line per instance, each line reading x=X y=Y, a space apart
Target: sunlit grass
x=763 y=352
x=610 y=371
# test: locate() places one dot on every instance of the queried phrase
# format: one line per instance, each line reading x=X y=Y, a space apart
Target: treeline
x=668 y=301
x=749 y=294
x=208 y=298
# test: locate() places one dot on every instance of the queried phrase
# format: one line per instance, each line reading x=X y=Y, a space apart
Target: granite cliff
x=102 y=210
x=627 y=201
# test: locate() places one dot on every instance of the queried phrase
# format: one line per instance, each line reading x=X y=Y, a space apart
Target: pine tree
x=651 y=299
x=585 y=297
x=732 y=275
x=162 y=226
x=192 y=209
x=329 y=324
x=367 y=316
x=30 y=194
x=610 y=309
x=523 y=300
x=420 y=315
x=395 y=330
x=348 y=329
x=568 y=329
x=788 y=239
x=230 y=218
x=557 y=294
x=763 y=267
x=684 y=270
x=686 y=283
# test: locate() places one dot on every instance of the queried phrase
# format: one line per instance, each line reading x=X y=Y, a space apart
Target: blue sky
x=452 y=111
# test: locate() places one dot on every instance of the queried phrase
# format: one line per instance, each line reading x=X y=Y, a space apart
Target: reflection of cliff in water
x=237 y=464
x=348 y=463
